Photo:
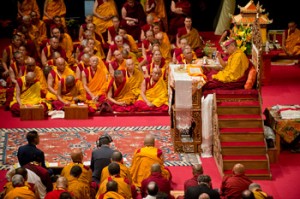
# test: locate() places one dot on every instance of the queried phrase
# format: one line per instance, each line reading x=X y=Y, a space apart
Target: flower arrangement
x=243 y=36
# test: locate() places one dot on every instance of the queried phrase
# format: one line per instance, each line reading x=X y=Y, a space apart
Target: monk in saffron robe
x=48 y=51
x=154 y=93
x=65 y=41
x=20 y=190
x=82 y=65
x=83 y=28
x=124 y=187
x=104 y=11
x=95 y=80
x=119 y=94
x=117 y=157
x=78 y=188
x=135 y=77
x=8 y=53
x=113 y=30
x=54 y=8
x=147 y=42
x=165 y=46
x=69 y=91
x=158 y=62
x=234 y=74
x=25 y=7
x=292 y=41
x=188 y=57
x=192 y=36
x=117 y=64
x=128 y=39
x=133 y=18
x=30 y=66
x=147 y=26
x=118 y=45
x=179 y=10
x=111 y=191
x=41 y=26
x=61 y=70
x=77 y=159
x=144 y=157
x=27 y=92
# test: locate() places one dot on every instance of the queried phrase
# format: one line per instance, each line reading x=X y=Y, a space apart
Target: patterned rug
x=58 y=142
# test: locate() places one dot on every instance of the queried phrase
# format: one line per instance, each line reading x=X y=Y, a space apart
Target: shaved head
x=62 y=182
x=155 y=168
x=117 y=156
x=238 y=169
x=149 y=140
x=77 y=155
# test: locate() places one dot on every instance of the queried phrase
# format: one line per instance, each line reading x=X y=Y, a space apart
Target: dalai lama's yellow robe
x=77 y=91
x=236 y=66
x=142 y=160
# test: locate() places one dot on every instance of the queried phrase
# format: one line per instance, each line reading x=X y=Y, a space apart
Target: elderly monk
x=292 y=40
x=8 y=53
x=15 y=69
x=111 y=191
x=135 y=77
x=128 y=39
x=25 y=7
x=65 y=41
x=104 y=11
x=154 y=93
x=120 y=95
x=79 y=188
x=188 y=57
x=133 y=18
x=118 y=63
x=61 y=186
x=82 y=28
x=235 y=70
x=165 y=46
x=164 y=185
x=61 y=70
x=54 y=8
x=124 y=187
x=27 y=92
x=192 y=36
x=95 y=81
x=77 y=159
x=48 y=51
x=233 y=185
x=30 y=66
x=144 y=157
x=69 y=91
x=82 y=65
x=197 y=170
x=180 y=58
x=147 y=42
x=158 y=62
x=20 y=190
x=113 y=30
x=124 y=171
x=118 y=45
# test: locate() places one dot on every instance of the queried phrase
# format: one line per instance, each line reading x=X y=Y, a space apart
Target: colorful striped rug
x=58 y=142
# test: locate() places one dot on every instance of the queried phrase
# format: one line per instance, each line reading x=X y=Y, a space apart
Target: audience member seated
x=95 y=80
x=133 y=18
x=59 y=22
x=127 y=54
x=61 y=186
x=247 y=194
x=128 y=39
x=145 y=156
x=117 y=64
x=27 y=92
x=113 y=30
x=120 y=95
x=164 y=185
x=118 y=45
x=70 y=91
x=158 y=61
x=124 y=187
x=101 y=157
x=152 y=190
x=147 y=42
x=147 y=26
x=26 y=153
x=79 y=188
x=179 y=10
x=54 y=8
x=154 y=93
x=83 y=27
x=82 y=65
x=48 y=51
x=258 y=192
x=204 y=186
x=135 y=77
x=20 y=189
x=197 y=170
x=187 y=57
x=233 y=185
x=291 y=44
x=35 y=166
x=192 y=36
x=111 y=191
x=163 y=40
x=77 y=159
x=56 y=74
x=104 y=11
x=26 y=7
x=117 y=157
x=235 y=70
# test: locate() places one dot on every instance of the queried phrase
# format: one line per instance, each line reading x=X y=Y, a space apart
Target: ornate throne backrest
x=256 y=58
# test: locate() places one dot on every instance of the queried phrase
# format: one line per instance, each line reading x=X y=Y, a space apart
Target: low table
x=32 y=112
x=76 y=112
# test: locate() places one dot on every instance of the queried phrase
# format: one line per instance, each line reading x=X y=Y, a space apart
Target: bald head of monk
x=117 y=156
x=30 y=64
x=70 y=81
x=77 y=156
x=149 y=140
x=155 y=168
x=238 y=169
x=30 y=78
x=197 y=169
x=61 y=183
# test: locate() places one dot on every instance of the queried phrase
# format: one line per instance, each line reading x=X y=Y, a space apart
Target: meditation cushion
x=251 y=78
